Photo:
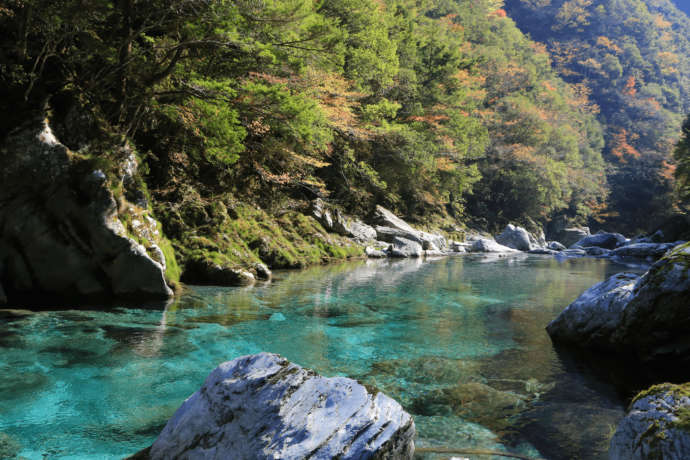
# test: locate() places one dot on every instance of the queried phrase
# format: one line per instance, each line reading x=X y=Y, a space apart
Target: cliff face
x=61 y=234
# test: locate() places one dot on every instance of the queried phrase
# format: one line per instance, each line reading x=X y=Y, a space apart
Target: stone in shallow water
x=262 y=406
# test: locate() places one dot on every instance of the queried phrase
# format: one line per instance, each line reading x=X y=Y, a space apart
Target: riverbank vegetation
x=441 y=110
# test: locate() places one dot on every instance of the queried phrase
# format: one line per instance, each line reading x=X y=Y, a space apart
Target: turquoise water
x=460 y=342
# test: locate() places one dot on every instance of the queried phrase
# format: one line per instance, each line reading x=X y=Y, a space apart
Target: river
x=458 y=341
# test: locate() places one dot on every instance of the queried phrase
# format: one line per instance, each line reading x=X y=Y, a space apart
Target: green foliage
x=631 y=54
x=682 y=157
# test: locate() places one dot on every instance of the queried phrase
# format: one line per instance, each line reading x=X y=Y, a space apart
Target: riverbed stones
x=515 y=237
x=60 y=228
x=264 y=407
x=657 y=426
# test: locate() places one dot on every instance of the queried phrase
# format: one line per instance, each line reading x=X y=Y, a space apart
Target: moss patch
x=239 y=236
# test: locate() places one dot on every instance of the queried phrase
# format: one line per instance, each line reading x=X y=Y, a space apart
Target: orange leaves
x=661 y=23
x=629 y=88
x=499 y=13
x=607 y=43
x=621 y=148
x=667 y=171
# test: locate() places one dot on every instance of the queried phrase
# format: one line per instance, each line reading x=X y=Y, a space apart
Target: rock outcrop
x=60 y=231
x=334 y=220
x=390 y=226
x=657 y=426
x=264 y=407
x=645 y=316
x=515 y=238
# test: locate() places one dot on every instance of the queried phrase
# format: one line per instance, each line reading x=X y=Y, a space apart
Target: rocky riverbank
x=645 y=317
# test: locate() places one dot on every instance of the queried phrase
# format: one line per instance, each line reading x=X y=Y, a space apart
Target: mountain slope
x=632 y=55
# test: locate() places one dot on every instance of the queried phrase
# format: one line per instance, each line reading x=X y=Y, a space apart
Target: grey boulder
x=487 y=245
x=646 y=316
x=656 y=426
x=264 y=407
x=643 y=250
x=602 y=240
x=593 y=317
x=402 y=247
x=515 y=238
x=572 y=235
x=555 y=246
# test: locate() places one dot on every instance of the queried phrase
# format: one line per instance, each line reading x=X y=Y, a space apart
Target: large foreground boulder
x=515 y=238
x=61 y=232
x=264 y=407
x=647 y=316
x=657 y=426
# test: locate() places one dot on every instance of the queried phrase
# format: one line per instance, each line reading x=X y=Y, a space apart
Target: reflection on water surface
x=460 y=342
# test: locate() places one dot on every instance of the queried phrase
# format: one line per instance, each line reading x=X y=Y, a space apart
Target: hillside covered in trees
x=632 y=56
x=242 y=113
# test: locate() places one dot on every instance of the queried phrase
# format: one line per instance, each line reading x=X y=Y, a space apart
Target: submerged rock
x=646 y=316
x=515 y=237
x=264 y=407
x=60 y=228
x=657 y=426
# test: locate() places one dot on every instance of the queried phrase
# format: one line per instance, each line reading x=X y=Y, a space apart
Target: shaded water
x=460 y=342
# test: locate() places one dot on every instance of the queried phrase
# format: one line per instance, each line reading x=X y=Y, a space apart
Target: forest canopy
x=435 y=108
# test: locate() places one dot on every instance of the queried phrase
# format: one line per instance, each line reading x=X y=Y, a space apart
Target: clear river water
x=459 y=342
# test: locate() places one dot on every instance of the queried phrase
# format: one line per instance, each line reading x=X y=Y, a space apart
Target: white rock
x=264 y=407
x=515 y=238
x=487 y=245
